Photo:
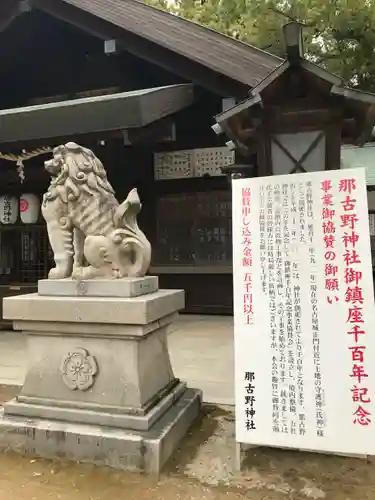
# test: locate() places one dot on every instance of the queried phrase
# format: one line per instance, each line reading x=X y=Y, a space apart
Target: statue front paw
x=78 y=273
x=57 y=273
x=84 y=273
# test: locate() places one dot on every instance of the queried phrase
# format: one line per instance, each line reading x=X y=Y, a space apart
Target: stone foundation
x=99 y=385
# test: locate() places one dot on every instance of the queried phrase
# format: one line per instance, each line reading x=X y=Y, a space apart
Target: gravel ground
x=203 y=468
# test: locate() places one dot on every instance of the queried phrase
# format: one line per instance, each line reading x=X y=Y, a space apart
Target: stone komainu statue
x=91 y=234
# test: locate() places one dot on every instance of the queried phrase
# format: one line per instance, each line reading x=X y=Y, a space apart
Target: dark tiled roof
x=239 y=61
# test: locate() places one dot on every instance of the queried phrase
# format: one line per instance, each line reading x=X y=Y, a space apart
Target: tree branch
x=290 y=17
x=328 y=57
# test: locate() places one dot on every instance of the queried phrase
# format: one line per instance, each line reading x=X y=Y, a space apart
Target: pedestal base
x=99 y=386
x=122 y=449
x=107 y=416
x=122 y=288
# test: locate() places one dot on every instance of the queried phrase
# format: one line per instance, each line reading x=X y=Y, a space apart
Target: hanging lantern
x=29 y=208
x=8 y=209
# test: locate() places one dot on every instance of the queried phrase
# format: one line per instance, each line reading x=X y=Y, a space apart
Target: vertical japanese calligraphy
x=247 y=257
x=329 y=238
x=302 y=257
x=250 y=401
x=354 y=298
x=315 y=321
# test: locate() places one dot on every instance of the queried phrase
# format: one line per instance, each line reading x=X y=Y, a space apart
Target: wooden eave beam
x=274 y=75
x=94 y=114
x=365 y=126
x=10 y=10
x=353 y=95
x=152 y=133
x=238 y=135
x=318 y=116
x=321 y=73
x=85 y=139
x=111 y=47
x=362 y=106
x=236 y=123
x=240 y=108
x=144 y=49
x=239 y=141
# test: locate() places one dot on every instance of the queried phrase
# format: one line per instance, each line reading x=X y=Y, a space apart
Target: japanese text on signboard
x=303 y=306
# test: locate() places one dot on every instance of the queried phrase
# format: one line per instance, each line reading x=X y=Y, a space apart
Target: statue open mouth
x=53 y=166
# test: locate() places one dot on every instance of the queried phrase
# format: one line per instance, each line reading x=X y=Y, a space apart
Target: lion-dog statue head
x=74 y=170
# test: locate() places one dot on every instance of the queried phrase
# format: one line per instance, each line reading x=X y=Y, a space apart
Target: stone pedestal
x=99 y=385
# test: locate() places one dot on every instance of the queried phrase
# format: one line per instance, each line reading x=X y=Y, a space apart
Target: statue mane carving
x=75 y=169
x=91 y=234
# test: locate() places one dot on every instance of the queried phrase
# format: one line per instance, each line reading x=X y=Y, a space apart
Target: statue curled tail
x=132 y=243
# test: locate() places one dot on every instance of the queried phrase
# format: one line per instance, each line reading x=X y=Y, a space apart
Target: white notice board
x=304 y=312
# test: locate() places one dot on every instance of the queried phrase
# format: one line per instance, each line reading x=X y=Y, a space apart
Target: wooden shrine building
x=298 y=117
x=301 y=118
x=140 y=87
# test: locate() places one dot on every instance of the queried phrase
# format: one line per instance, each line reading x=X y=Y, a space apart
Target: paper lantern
x=29 y=208
x=8 y=209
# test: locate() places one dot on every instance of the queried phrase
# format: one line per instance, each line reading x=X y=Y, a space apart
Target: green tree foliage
x=338 y=34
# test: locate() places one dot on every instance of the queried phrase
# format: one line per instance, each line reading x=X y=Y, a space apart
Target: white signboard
x=304 y=312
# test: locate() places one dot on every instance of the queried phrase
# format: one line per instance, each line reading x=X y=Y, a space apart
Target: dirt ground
x=203 y=468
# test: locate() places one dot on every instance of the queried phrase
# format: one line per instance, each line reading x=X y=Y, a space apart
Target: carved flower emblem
x=78 y=370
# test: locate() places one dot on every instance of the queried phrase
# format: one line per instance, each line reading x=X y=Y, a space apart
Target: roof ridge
x=238 y=60
x=208 y=28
